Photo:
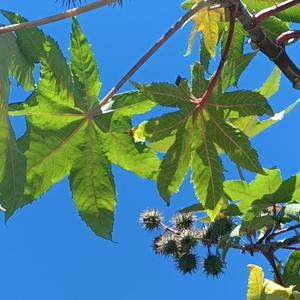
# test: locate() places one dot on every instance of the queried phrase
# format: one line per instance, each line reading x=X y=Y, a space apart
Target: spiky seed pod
x=151 y=219
x=187 y=263
x=222 y=226
x=188 y=240
x=209 y=237
x=184 y=220
x=167 y=245
x=155 y=244
x=213 y=265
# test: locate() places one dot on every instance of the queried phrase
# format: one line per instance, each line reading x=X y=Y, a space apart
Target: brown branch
x=285 y=37
x=273 y=10
x=282 y=231
x=271 y=49
x=270 y=257
x=202 y=101
x=51 y=19
x=149 y=54
x=275 y=52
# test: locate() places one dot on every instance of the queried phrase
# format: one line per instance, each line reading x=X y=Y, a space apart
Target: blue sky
x=47 y=252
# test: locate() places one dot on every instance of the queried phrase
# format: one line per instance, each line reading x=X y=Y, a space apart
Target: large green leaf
x=248 y=193
x=64 y=138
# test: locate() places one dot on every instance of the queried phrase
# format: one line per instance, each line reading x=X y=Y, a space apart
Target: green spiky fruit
x=151 y=219
x=213 y=265
x=166 y=245
x=184 y=220
x=188 y=240
x=222 y=226
x=187 y=263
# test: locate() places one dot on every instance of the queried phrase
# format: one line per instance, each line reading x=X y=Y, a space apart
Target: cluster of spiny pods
x=181 y=240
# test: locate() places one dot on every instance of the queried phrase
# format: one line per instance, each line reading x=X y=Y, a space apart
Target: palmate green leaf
x=235 y=143
x=63 y=139
x=291 y=273
x=207 y=168
x=244 y=102
x=175 y=164
x=248 y=193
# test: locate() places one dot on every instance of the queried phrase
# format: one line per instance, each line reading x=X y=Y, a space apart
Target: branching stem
x=149 y=54
x=287 y=36
x=55 y=18
x=202 y=101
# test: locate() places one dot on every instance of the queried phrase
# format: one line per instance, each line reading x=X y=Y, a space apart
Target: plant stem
x=270 y=257
x=291 y=248
x=202 y=101
x=271 y=49
x=273 y=10
x=285 y=230
x=149 y=53
x=286 y=36
x=52 y=19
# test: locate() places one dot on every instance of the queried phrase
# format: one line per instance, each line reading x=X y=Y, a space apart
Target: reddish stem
x=202 y=101
x=286 y=36
x=271 y=11
x=149 y=54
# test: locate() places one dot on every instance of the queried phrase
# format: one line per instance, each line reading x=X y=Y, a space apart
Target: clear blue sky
x=48 y=253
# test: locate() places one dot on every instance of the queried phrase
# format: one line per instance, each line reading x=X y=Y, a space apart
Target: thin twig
x=146 y=57
x=202 y=101
x=291 y=248
x=273 y=10
x=52 y=19
x=285 y=230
